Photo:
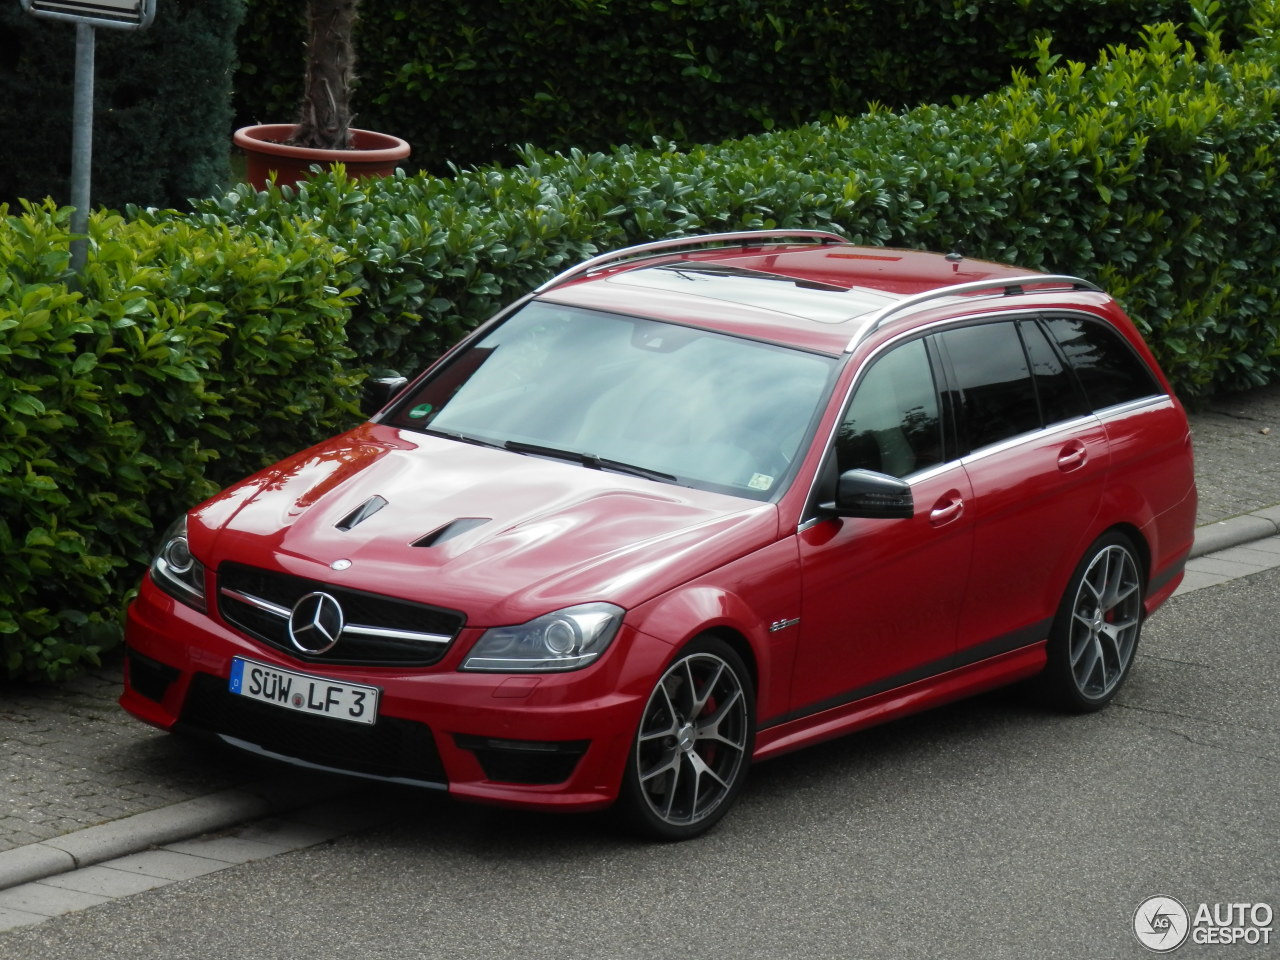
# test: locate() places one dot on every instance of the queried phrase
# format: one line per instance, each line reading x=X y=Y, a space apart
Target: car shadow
x=880 y=760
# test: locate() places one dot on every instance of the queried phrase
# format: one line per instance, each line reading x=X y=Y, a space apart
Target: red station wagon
x=687 y=506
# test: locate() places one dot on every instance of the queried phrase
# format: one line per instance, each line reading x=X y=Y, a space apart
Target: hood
x=500 y=536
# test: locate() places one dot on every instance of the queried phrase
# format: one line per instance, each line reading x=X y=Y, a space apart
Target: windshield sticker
x=760 y=481
x=420 y=411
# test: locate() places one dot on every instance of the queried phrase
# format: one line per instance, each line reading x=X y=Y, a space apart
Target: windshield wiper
x=588 y=460
x=461 y=437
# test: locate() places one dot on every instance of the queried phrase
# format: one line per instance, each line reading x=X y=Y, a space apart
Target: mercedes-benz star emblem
x=316 y=622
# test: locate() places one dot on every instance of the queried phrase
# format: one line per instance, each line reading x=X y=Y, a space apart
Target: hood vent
x=453 y=528
x=361 y=513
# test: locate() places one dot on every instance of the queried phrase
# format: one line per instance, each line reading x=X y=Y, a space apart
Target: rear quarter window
x=1107 y=367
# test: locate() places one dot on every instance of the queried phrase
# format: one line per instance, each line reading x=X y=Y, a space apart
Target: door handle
x=1072 y=456
x=947 y=509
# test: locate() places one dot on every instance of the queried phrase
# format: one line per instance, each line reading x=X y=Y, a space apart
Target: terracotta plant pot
x=266 y=152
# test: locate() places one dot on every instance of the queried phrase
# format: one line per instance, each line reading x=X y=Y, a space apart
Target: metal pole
x=82 y=145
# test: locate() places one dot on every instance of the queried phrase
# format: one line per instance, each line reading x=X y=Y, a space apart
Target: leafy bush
x=1150 y=172
x=433 y=256
x=192 y=355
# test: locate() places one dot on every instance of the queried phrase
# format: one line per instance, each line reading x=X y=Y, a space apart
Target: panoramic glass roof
x=821 y=302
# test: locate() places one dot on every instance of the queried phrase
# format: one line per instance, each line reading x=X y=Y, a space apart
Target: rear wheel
x=1095 y=633
x=691 y=752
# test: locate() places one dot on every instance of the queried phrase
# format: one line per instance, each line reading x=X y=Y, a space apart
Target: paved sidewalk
x=81 y=783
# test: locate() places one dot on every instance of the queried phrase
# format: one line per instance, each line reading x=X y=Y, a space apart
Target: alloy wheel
x=692 y=749
x=1105 y=620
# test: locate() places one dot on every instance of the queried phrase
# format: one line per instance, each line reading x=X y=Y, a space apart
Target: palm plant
x=325 y=117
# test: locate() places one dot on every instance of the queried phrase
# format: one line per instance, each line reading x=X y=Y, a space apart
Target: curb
x=1233 y=532
x=179 y=821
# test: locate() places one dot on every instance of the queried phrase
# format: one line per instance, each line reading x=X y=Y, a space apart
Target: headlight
x=565 y=640
x=175 y=571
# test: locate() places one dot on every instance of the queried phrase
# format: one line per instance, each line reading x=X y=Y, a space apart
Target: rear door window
x=1061 y=397
x=992 y=372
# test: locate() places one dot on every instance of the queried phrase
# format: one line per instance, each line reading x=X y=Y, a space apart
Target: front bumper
x=550 y=741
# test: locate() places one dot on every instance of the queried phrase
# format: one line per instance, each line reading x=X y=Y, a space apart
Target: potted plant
x=323 y=134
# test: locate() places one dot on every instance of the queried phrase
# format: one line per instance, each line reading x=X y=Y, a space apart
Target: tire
x=690 y=755
x=1095 y=633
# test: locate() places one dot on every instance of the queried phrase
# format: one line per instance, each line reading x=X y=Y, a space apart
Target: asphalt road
x=989 y=829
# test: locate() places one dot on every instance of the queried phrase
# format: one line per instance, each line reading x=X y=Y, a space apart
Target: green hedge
x=204 y=345
x=194 y=354
x=1150 y=172
x=465 y=80
x=162 y=98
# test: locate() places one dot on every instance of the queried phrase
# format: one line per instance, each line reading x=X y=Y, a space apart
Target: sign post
x=86 y=15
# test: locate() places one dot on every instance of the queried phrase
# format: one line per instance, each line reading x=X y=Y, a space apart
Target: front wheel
x=691 y=752
x=1095 y=633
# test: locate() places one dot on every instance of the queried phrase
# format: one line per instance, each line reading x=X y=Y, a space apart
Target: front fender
x=739 y=602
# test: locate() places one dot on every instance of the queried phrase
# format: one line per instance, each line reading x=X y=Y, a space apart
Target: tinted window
x=995 y=382
x=1107 y=367
x=892 y=425
x=1060 y=396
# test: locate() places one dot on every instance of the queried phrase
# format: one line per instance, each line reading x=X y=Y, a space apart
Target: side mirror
x=377 y=392
x=871 y=495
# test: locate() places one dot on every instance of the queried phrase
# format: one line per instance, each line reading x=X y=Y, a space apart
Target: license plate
x=306 y=694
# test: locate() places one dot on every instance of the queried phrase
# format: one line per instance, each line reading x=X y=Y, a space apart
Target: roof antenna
x=954 y=258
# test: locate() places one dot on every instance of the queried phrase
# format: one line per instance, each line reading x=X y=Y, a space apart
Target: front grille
x=407 y=634
x=390 y=748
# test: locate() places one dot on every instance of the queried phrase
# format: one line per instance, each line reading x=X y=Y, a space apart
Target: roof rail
x=1008 y=287
x=657 y=246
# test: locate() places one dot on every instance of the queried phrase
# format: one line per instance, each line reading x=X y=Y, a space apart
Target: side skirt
x=901 y=701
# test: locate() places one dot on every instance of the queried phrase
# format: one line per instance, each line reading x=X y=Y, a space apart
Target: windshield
x=670 y=402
